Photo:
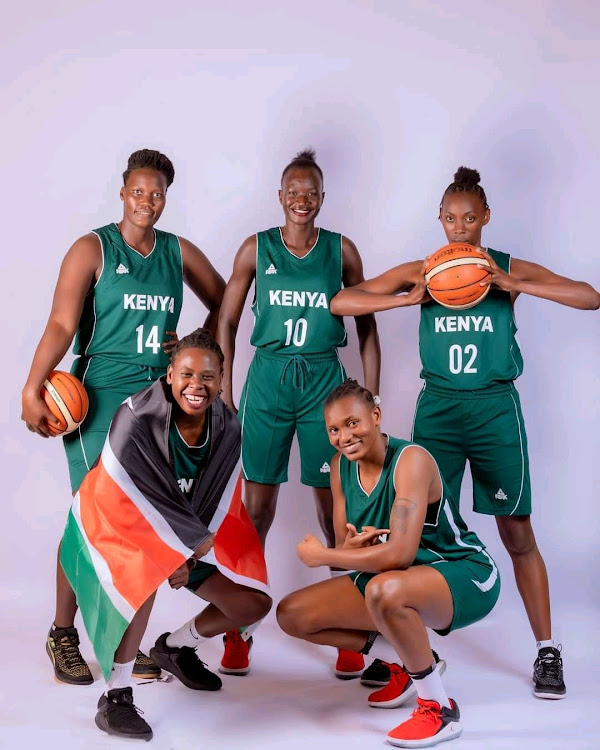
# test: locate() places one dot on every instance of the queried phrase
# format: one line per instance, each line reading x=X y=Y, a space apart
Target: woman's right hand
x=36 y=414
x=205 y=547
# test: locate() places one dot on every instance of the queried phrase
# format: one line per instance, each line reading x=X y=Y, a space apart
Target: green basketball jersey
x=292 y=294
x=189 y=461
x=445 y=535
x=134 y=302
x=470 y=349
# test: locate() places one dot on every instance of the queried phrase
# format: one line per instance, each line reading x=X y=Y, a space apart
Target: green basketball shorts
x=485 y=428
x=474 y=583
x=108 y=383
x=283 y=395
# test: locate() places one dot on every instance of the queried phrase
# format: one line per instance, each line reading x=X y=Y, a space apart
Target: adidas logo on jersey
x=501 y=495
x=271 y=269
x=325 y=469
x=121 y=269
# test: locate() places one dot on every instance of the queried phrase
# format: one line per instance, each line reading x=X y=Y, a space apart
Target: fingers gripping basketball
x=66 y=398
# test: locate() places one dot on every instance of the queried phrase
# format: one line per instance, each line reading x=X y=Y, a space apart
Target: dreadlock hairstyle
x=148 y=159
x=350 y=388
x=201 y=338
x=306 y=158
x=466 y=181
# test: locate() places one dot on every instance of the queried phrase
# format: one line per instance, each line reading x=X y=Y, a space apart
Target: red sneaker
x=236 y=657
x=399 y=689
x=349 y=664
x=429 y=724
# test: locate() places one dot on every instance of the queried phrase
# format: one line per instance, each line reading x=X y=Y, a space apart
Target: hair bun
x=467 y=176
x=307 y=154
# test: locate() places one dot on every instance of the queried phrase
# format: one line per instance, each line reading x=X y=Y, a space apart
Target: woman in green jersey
x=119 y=292
x=469 y=408
x=415 y=565
x=296 y=270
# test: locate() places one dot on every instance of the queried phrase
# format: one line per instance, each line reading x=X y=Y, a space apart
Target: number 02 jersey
x=471 y=349
x=292 y=294
x=134 y=302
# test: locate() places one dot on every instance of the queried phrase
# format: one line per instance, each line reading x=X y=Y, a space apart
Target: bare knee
x=517 y=535
x=386 y=594
x=293 y=617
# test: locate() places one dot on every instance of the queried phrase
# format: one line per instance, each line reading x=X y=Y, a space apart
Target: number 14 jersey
x=470 y=349
x=292 y=295
x=134 y=302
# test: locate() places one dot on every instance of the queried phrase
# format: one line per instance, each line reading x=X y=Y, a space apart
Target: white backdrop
x=394 y=96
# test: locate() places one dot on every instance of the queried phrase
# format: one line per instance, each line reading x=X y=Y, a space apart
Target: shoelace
x=189 y=656
x=69 y=645
x=124 y=705
x=551 y=664
x=424 y=714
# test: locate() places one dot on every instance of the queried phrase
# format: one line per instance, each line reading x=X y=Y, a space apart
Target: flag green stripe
x=104 y=624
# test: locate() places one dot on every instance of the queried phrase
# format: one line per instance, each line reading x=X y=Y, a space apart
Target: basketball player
x=469 y=408
x=119 y=292
x=178 y=446
x=296 y=270
x=430 y=572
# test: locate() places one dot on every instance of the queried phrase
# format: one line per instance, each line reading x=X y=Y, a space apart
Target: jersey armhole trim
x=103 y=258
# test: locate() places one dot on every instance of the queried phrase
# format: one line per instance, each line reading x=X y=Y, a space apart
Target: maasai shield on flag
x=130 y=528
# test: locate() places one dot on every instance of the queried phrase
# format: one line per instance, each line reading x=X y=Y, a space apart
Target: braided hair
x=466 y=181
x=306 y=159
x=201 y=338
x=146 y=158
x=350 y=387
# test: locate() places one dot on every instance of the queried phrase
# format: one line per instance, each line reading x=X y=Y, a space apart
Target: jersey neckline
x=298 y=257
x=133 y=248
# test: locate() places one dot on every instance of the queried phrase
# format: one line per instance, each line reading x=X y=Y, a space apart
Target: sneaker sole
x=238 y=672
x=549 y=696
x=156 y=656
x=146 y=675
x=406 y=695
x=102 y=724
x=450 y=732
x=65 y=680
x=374 y=683
x=347 y=675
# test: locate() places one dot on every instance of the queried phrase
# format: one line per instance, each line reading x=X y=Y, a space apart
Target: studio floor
x=292 y=699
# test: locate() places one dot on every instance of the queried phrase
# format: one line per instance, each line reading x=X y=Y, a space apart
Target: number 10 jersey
x=292 y=295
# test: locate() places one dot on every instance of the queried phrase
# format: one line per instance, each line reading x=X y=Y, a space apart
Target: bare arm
x=236 y=291
x=531 y=278
x=366 y=326
x=80 y=266
x=384 y=291
x=415 y=480
x=204 y=280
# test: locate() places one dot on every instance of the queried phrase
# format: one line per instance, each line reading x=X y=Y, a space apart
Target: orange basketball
x=453 y=278
x=66 y=398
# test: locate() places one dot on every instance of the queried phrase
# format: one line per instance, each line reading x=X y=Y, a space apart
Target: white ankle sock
x=430 y=688
x=186 y=635
x=545 y=644
x=120 y=676
x=383 y=649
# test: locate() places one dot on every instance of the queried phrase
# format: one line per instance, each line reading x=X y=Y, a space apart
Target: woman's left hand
x=498 y=278
x=181 y=576
x=310 y=550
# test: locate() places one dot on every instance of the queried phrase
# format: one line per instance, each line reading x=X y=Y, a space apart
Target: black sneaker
x=62 y=646
x=185 y=665
x=117 y=715
x=144 y=668
x=376 y=675
x=548 y=674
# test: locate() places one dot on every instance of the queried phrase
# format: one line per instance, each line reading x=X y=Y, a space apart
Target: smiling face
x=144 y=196
x=353 y=427
x=195 y=380
x=301 y=195
x=463 y=216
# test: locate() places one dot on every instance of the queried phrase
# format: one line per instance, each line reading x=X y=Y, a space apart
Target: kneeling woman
x=165 y=492
x=430 y=572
